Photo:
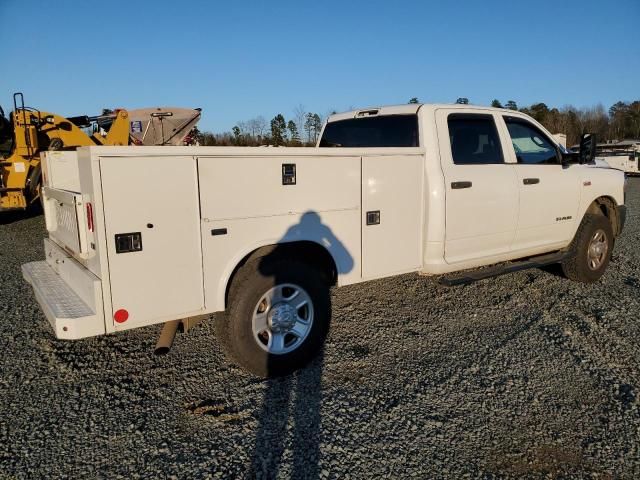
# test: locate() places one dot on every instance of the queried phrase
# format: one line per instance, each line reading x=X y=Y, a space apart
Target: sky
x=239 y=59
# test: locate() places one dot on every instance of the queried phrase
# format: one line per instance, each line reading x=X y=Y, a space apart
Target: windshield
x=382 y=131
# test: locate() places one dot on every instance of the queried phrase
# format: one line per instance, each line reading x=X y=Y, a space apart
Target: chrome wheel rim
x=282 y=319
x=597 y=251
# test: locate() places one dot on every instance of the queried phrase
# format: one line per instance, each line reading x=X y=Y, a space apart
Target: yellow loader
x=28 y=131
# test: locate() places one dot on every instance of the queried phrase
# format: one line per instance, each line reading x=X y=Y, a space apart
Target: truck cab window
x=474 y=139
x=530 y=145
x=377 y=131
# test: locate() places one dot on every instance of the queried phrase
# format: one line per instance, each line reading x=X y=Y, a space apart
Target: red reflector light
x=89 y=217
x=121 y=316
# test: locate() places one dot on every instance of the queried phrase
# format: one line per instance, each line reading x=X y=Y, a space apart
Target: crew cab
x=147 y=235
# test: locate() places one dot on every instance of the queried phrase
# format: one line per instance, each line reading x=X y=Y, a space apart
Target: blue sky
x=239 y=59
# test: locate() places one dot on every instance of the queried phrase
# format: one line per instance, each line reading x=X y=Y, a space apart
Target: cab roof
x=406 y=109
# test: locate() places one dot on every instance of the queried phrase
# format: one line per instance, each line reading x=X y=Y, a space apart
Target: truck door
x=481 y=190
x=549 y=192
x=152 y=223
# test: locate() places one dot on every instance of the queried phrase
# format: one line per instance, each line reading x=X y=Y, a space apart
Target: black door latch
x=373 y=217
x=288 y=174
x=128 y=242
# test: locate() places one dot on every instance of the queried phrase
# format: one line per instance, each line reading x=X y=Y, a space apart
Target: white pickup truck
x=148 y=235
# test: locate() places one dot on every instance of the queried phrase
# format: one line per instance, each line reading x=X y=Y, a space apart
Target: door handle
x=531 y=181
x=458 y=185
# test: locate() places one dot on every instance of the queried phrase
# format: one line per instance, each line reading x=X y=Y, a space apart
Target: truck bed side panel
x=246 y=196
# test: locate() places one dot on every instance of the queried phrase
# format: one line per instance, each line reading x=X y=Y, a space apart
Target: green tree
x=619 y=120
x=313 y=126
x=317 y=126
x=634 y=114
x=413 y=100
x=511 y=105
x=293 y=132
x=237 y=135
x=539 y=111
x=278 y=130
x=496 y=103
x=462 y=101
x=308 y=125
x=208 y=139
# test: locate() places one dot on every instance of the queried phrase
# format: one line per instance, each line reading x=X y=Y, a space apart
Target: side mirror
x=568 y=158
x=587 y=148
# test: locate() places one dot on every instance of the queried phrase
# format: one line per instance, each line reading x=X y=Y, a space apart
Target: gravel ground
x=523 y=375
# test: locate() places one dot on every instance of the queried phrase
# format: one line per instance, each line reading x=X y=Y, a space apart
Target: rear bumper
x=68 y=294
x=622 y=217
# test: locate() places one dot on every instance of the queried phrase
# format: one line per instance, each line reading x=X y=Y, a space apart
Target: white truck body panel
x=267 y=213
x=60 y=168
x=559 y=189
x=62 y=212
x=622 y=162
x=390 y=185
x=199 y=211
x=169 y=266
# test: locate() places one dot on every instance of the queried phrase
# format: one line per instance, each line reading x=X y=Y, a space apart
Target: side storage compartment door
x=392 y=209
x=251 y=202
x=152 y=223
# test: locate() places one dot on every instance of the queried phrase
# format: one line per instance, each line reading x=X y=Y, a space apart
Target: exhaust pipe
x=166 y=337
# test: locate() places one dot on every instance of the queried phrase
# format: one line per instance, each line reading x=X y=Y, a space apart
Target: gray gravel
x=524 y=375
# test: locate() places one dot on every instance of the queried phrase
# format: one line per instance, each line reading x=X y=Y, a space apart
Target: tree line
x=302 y=130
x=620 y=121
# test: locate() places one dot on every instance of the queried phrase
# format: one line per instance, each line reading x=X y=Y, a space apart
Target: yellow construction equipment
x=28 y=131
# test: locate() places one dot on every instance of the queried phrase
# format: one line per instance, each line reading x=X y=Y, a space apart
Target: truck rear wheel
x=591 y=248
x=278 y=316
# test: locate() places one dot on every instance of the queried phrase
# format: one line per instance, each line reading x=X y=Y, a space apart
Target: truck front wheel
x=278 y=316
x=591 y=250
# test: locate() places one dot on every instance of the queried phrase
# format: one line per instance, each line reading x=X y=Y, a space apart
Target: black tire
x=34 y=188
x=234 y=328
x=579 y=266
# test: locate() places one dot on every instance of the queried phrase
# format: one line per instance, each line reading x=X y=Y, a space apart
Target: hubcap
x=597 y=251
x=282 y=318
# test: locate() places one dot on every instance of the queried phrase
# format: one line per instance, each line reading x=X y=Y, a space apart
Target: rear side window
x=474 y=139
x=383 y=131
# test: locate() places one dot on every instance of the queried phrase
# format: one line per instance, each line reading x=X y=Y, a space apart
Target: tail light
x=121 y=316
x=89 y=217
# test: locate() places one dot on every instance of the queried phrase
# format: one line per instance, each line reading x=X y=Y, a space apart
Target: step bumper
x=70 y=317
